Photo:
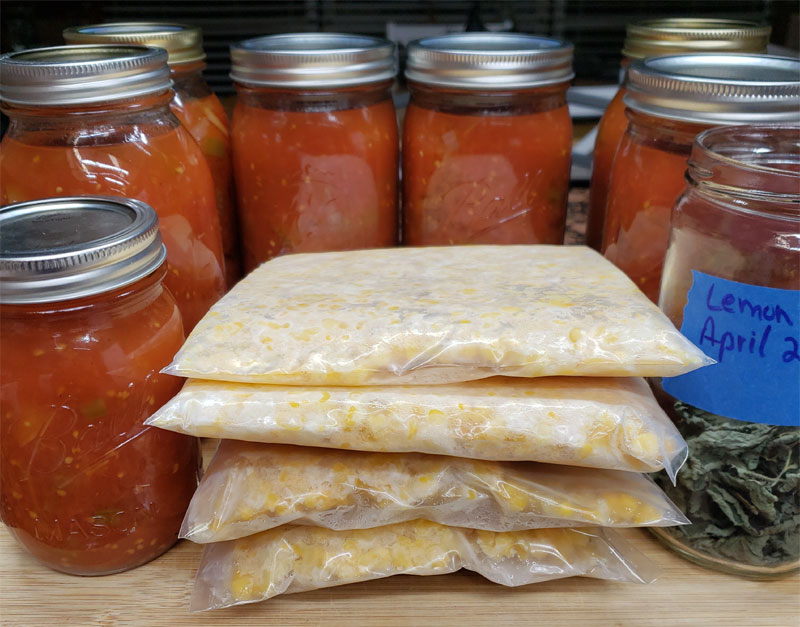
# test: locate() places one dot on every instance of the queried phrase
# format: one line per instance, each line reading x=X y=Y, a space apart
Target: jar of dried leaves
x=732 y=284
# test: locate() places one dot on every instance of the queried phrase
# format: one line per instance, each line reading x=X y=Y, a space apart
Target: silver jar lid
x=489 y=61
x=58 y=249
x=75 y=75
x=312 y=60
x=716 y=88
x=183 y=43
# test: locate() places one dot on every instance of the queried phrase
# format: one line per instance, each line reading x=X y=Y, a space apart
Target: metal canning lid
x=716 y=88
x=74 y=75
x=63 y=248
x=312 y=60
x=676 y=35
x=183 y=43
x=489 y=61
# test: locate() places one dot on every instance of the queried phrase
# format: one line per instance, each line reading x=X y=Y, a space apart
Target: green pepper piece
x=94 y=409
x=214 y=147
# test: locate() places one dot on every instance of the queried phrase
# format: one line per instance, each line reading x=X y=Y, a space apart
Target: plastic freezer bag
x=295 y=559
x=611 y=423
x=252 y=487
x=434 y=315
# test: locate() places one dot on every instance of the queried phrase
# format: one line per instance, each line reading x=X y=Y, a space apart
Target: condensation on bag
x=295 y=559
x=251 y=487
x=434 y=315
x=612 y=423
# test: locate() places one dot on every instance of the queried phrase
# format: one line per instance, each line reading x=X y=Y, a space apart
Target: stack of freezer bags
x=424 y=410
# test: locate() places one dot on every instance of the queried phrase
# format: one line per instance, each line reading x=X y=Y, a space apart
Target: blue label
x=753 y=333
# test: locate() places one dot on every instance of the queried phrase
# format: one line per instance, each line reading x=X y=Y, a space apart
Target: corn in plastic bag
x=434 y=315
x=600 y=422
x=296 y=559
x=251 y=487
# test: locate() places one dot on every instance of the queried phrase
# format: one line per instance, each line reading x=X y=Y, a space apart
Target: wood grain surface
x=158 y=594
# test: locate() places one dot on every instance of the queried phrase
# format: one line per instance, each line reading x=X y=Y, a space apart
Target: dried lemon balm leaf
x=434 y=315
x=601 y=422
x=294 y=559
x=251 y=487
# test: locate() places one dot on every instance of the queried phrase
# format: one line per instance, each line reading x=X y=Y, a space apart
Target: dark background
x=597 y=28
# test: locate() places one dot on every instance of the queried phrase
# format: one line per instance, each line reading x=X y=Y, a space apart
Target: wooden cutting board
x=158 y=594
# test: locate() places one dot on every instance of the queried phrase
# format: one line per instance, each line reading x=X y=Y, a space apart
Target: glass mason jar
x=670 y=100
x=656 y=38
x=85 y=327
x=487 y=140
x=315 y=144
x=194 y=104
x=96 y=120
x=732 y=285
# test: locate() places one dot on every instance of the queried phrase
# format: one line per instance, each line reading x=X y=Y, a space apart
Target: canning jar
x=669 y=101
x=86 y=326
x=194 y=104
x=315 y=144
x=487 y=140
x=96 y=120
x=732 y=284
x=656 y=38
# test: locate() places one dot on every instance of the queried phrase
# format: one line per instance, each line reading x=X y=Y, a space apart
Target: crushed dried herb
x=739 y=488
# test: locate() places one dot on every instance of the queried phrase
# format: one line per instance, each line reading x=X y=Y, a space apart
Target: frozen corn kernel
x=602 y=423
x=645 y=446
x=251 y=487
x=294 y=559
x=242 y=586
x=570 y=312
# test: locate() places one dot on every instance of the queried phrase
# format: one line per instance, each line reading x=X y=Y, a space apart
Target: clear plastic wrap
x=252 y=487
x=434 y=315
x=295 y=559
x=599 y=422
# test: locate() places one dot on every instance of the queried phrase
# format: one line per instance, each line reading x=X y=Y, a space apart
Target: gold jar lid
x=183 y=43
x=679 y=35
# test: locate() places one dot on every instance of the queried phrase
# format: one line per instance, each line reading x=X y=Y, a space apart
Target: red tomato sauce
x=166 y=170
x=84 y=486
x=609 y=134
x=312 y=181
x=647 y=179
x=482 y=178
x=207 y=122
